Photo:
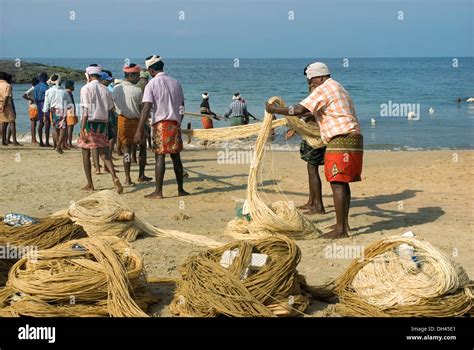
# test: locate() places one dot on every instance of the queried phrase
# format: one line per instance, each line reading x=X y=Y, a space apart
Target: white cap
x=317 y=69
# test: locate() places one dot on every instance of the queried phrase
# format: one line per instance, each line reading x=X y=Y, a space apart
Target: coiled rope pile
x=276 y=218
x=104 y=213
x=390 y=282
x=80 y=278
x=46 y=233
x=275 y=289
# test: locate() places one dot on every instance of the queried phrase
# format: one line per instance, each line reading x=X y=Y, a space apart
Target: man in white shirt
x=57 y=101
x=96 y=102
x=128 y=102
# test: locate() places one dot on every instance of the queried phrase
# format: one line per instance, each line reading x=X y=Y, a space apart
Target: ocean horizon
x=383 y=89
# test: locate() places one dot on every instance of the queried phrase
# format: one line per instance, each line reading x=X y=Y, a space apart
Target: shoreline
x=245 y=145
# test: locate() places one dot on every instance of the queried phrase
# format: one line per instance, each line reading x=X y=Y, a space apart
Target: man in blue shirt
x=43 y=118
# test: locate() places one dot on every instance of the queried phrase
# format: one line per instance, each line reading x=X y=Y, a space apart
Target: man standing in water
x=96 y=103
x=332 y=107
x=166 y=96
x=237 y=112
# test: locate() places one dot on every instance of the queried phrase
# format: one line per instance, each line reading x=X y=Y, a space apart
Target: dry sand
x=428 y=192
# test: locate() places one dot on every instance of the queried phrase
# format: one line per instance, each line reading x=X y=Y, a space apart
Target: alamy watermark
x=406 y=110
x=16 y=252
x=336 y=251
x=228 y=156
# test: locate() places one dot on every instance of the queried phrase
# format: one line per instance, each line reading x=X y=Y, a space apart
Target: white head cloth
x=152 y=61
x=317 y=69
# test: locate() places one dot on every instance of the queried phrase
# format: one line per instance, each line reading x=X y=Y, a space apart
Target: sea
x=385 y=92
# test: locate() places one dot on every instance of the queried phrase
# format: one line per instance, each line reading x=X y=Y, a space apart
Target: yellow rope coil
x=85 y=277
x=276 y=289
x=390 y=282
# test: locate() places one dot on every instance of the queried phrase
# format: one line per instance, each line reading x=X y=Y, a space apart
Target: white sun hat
x=317 y=69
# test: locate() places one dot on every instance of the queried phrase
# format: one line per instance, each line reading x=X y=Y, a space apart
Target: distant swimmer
x=373 y=122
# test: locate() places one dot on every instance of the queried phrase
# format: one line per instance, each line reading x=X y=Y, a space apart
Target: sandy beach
x=428 y=192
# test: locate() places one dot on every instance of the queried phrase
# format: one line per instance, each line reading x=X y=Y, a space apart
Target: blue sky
x=240 y=28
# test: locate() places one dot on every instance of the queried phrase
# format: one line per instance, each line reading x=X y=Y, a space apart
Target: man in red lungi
x=332 y=107
x=166 y=96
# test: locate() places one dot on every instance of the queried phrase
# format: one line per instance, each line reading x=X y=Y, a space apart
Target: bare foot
x=88 y=188
x=154 y=195
x=97 y=171
x=313 y=211
x=144 y=179
x=185 y=175
x=304 y=207
x=17 y=144
x=118 y=186
x=129 y=183
x=59 y=150
x=335 y=234
x=333 y=227
x=182 y=193
x=47 y=145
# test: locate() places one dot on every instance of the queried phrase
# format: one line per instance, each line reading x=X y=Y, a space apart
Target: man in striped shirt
x=334 y=112
x=237 y=111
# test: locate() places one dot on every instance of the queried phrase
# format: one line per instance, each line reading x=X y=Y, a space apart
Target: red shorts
x=207 y=123
x=343 y=158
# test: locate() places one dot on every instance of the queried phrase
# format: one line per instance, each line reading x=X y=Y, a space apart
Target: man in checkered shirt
x=334 y=112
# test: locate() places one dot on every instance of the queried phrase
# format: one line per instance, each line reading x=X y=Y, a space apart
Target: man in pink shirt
x=166 y=96
x=96 y=102
x=334 y=112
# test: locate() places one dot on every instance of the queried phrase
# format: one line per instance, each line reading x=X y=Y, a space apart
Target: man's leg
x=127 y=161
x=341 y=192
x=178 y=171
x=40 y=130
x=47 y=127
x=61 y=139
x=134 y=153
x=142 y=163
x=348 y=200
x=4 y=134
x=95 y=160
x=315 y=202
x=9 y=132
x=86 y=162
x=160 y=168
x=70 y=132
x=105 y=155
x=33 y=131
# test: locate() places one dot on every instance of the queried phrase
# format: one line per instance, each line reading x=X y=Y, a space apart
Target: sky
x=236 y=29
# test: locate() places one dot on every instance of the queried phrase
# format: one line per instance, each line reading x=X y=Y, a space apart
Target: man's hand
x=138 y=136
x=269 y=108
x=82 y=135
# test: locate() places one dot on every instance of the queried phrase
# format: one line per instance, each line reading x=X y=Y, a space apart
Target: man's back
x=127 y=99
x=166 y=94
x=97 y=101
